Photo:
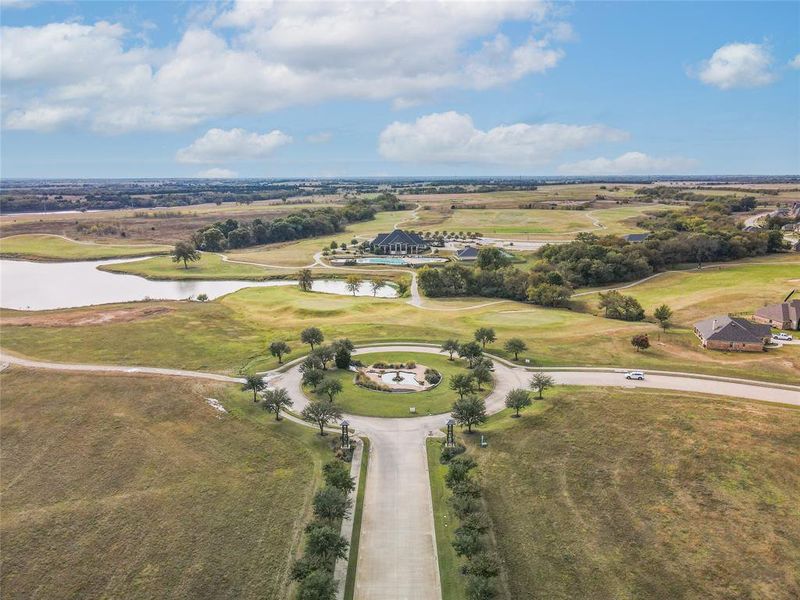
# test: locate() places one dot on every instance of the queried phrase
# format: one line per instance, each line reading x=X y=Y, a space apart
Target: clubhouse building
x=399 y=242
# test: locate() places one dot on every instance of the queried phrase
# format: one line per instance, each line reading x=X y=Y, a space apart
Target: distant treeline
x=305 y=223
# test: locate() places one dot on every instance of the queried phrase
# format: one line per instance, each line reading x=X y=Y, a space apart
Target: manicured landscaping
x=123 y=485
x=357 y=400
x=57 y=248
x=600 y=493
x=210 y=266
x=350 y=583
x=232 y=333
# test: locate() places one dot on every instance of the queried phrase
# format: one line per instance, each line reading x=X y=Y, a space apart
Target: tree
x=515 y=346
x=663 y=314
x=321 y=412
x=279 y=348
x=305 y=280
x=451 y=347
x=337 y=474
x=276 y=400
x=311 y=336
x=485 y=335
x=540 y=382
x=482 y=375
x=331 y=504
x=483 y=565
x=518 y=399
x=319 y=584
x=640 y=341
x=342 y=357
x=479 y=587
x=376 y=284
x=325 y=354
x=469 y=411
x=462 y=384
x=467 y=542
x=254 y=382
x=330 y=387
x=313 y=377
x=324 y=543
x=491 y=258
x=186 y=252
x=353 y=283
x=471 y=351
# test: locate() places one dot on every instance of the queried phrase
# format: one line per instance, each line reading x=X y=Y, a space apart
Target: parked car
x=635 y=375
x=784 y=337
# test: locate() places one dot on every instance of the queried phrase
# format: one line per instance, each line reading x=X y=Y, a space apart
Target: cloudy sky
x=257 y=89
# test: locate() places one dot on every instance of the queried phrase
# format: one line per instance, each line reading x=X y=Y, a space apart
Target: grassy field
x=130 y=486
x=445 y=524
x=54 y=248
x=535 y=223
x=210 y=266
x=613 y=493
x=361 y=401
x=232 y=333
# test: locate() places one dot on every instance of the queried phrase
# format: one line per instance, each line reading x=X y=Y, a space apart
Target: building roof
x=468 y=252
x=732 y=329
x=636 y=237
x=786 y=311
x=398 y=236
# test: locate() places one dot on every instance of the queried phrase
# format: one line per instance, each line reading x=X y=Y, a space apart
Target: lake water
x=26 y=285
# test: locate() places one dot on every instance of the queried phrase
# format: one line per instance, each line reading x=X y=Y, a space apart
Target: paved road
x=397 y=556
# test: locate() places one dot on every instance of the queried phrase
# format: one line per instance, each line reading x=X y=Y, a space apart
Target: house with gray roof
x=467 y=254
x=636 y=238
x=783 y=316
x=732 y=333
x=399 y=242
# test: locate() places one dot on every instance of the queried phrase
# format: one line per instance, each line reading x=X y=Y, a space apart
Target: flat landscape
x=56 y=248
x=142 y=472
x=614 y=493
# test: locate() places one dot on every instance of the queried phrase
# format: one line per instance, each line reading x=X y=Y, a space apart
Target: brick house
x=732 y=334
x=783 y=316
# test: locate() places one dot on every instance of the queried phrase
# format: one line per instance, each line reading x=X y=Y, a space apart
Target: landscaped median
x=358 y=400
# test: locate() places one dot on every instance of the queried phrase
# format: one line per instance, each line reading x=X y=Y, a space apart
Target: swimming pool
x=391 y=260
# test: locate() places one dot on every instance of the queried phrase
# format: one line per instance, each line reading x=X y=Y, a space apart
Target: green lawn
x=232 y=333
x=125 y=486
x=55 y=248
x=445 y=524
x=361 y=401
x=210 y=266
x=615 y=493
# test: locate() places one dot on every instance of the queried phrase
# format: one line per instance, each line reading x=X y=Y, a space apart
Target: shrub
x=411 y=365
x=480 y=588
x=468 y=542
x=432 y=376
x=464 y=505
x=448 y=453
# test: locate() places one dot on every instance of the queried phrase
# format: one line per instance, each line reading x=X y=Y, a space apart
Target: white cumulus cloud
x=44 y=117
x=630 y=163
x=217 y=173
x=795 y=62
x=220 y=145
x=452 y=137
x=737 y=66
x=252 y=57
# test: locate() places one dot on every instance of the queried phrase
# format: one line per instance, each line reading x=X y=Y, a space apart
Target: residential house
x=732 y=334
x=785 y=315
x=467 y=254
x=636 y=238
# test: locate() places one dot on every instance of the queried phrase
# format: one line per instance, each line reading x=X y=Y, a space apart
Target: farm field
x=122 y=485
x=55 y=248
x=231 y=333
x=614 y=493
x=360 y=401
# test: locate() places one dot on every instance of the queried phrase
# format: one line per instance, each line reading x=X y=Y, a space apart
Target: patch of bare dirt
x=87 y=317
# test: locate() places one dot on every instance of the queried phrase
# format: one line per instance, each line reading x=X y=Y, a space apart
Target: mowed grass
x=210 y=266
x=55 y=248
x=537 y=223
x=357 y=400
x=613 y=493
x=231 y=334
x=125 y=486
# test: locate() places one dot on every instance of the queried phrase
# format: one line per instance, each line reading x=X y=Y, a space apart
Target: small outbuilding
x=636 y=238
x=733 y=334
x=467 y=254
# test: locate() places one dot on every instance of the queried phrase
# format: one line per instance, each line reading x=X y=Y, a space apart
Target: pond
x=27 y=285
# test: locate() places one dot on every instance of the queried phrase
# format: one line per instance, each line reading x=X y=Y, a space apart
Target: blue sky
x=170 y=89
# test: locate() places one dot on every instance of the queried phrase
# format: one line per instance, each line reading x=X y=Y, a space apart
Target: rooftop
x=732 y=329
